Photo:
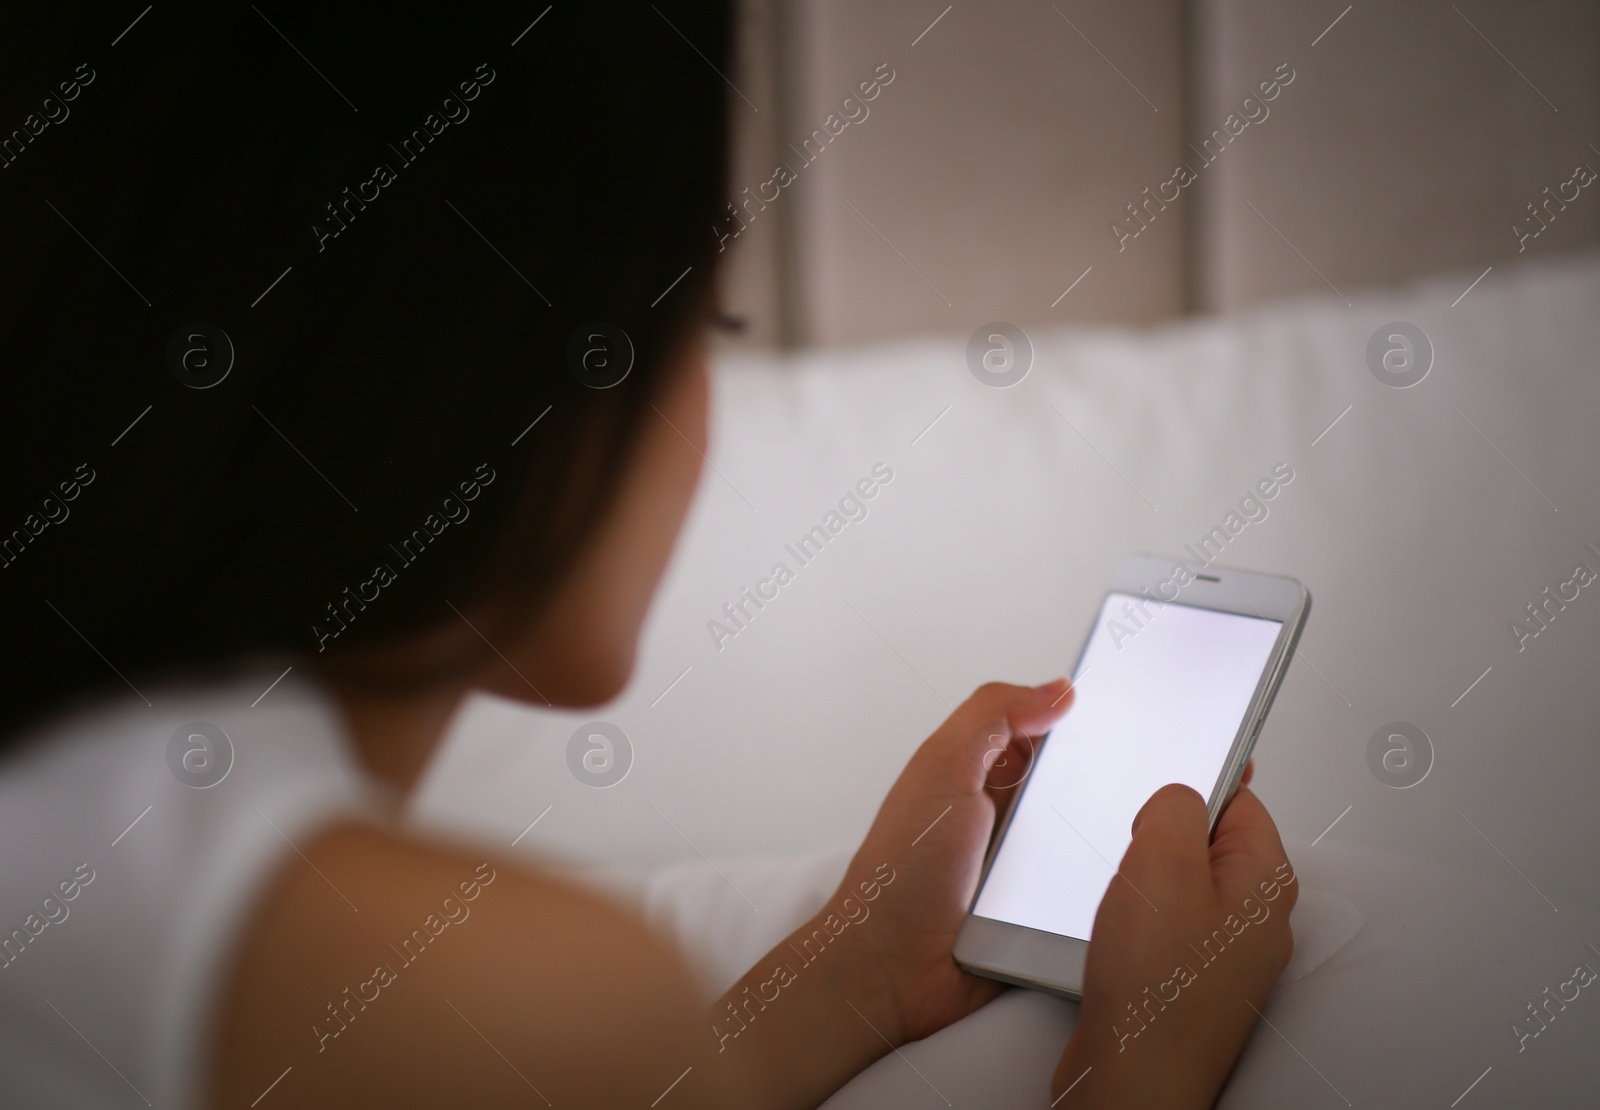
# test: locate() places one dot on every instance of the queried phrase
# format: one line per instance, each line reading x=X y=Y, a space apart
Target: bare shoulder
x=388 y=970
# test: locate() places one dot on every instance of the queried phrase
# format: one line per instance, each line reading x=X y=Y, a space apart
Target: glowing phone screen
x=1161 y=692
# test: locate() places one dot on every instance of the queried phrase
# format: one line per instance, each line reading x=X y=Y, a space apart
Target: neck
x=396 y=733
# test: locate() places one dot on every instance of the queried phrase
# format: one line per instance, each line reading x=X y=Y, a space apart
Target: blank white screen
x=1160 y=697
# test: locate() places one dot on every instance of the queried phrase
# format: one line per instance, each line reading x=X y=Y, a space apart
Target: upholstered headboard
x=1155 y=157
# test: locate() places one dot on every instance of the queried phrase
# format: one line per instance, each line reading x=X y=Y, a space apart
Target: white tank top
x=132 y=849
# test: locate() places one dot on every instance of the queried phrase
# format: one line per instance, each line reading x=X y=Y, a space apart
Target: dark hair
x=404 y=221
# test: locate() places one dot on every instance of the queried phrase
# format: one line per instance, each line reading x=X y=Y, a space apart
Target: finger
x=995 y=719
x=1009 y=769
x=1169 y=834
x=1247 y=843
x=1249 y=773
x=1020 y=708
x=1172 y=809
x=1009 y=760
x=1245 y=825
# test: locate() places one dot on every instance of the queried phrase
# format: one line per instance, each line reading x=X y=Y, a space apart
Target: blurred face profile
x=581 y=649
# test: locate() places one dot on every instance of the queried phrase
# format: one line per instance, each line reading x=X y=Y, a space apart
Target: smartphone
x=1172 y=685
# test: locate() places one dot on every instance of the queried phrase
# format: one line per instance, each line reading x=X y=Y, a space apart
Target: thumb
x=1021 y=709
x=983 y=727
x=1036 y=708
x=1172 y=809
x=1170 y=831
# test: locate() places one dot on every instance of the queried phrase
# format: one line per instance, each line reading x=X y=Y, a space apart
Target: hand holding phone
x=1172 y=686
x=1167 y=1005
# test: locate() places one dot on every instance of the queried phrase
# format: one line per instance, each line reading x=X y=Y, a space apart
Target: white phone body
x=1172 y=685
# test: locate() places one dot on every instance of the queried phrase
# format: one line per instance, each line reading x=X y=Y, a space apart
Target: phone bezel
x=1052 y=962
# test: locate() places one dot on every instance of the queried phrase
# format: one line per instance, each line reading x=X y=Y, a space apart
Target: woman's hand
x=1174 y=984
x=931 y=833
x=881 y=946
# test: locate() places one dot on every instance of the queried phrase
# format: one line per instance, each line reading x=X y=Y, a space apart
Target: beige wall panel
x=1408 y=141
x=985 y=179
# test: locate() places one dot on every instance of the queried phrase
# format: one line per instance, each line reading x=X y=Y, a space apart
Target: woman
x=357 y=363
